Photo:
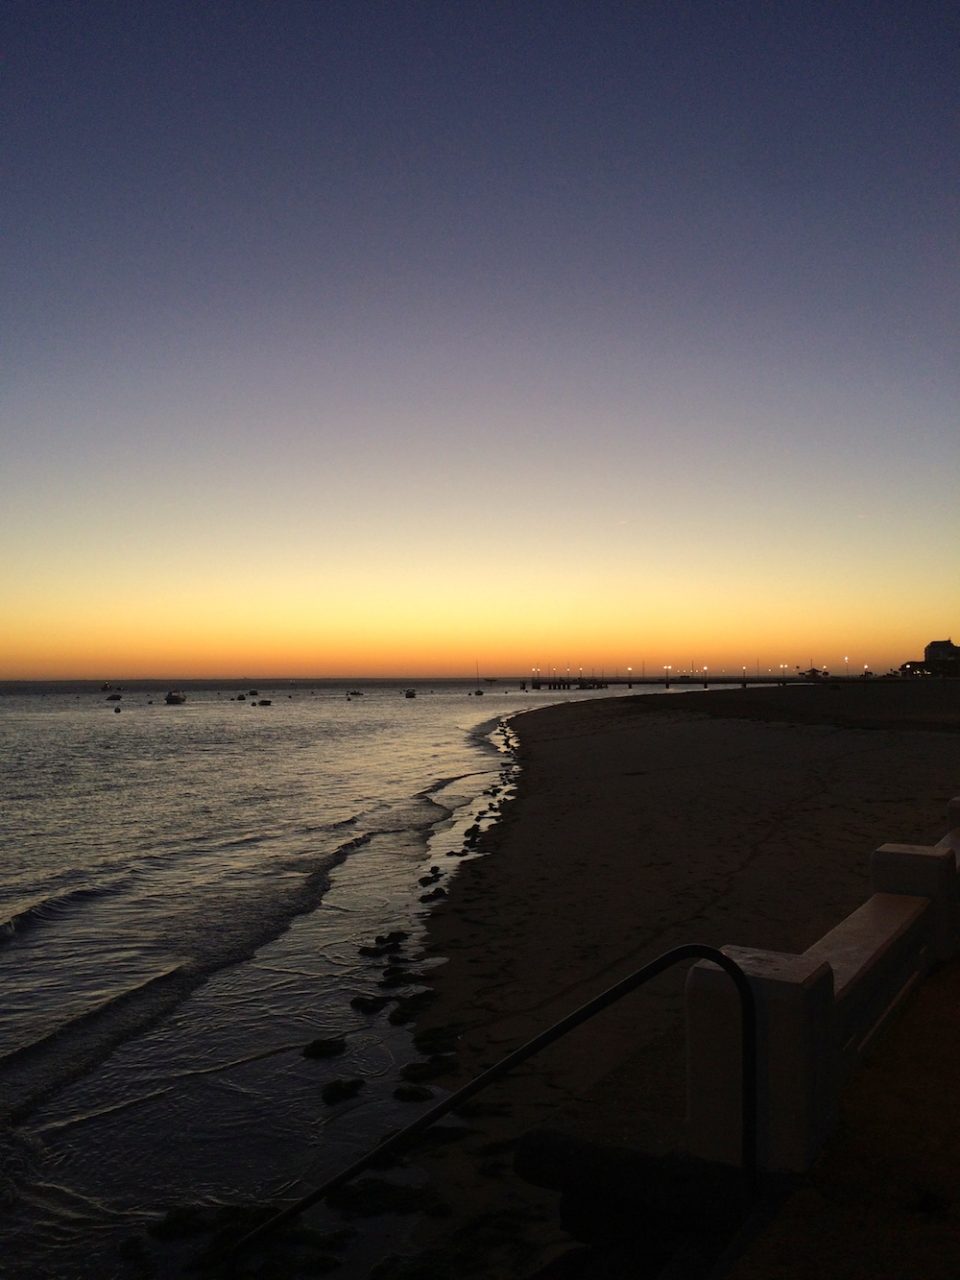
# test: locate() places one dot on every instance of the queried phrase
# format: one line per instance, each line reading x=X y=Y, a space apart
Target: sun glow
x=444 y=622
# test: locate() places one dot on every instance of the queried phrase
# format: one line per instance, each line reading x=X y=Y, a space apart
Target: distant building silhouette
x=940 y=658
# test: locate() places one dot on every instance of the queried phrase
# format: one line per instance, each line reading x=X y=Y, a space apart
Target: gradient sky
x=344 y=338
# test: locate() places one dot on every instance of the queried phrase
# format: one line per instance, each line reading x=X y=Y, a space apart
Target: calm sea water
x=184 y=892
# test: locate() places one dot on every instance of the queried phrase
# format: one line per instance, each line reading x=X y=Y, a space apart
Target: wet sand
x=732 y=816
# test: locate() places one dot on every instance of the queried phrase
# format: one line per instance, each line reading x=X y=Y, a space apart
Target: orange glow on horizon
x=180 y=651
x=441 y=620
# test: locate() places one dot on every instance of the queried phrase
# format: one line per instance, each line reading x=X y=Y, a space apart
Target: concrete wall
x=817 y=1013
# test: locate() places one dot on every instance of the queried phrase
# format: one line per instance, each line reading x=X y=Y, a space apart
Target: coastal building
x=940 y=658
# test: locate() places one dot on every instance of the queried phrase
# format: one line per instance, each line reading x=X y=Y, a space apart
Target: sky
x=415 y=338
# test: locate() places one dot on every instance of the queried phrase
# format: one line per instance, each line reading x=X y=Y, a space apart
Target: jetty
x=699 y=679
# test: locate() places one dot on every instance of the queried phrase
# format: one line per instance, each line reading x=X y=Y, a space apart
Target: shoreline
x=740 y=817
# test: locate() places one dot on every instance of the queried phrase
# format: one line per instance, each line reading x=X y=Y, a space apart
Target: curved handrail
x=688 y=951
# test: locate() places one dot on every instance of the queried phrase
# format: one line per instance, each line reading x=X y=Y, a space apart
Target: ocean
x=187 y=893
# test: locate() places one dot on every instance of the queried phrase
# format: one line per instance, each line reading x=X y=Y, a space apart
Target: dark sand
x=724 y=817
x=883 y=1201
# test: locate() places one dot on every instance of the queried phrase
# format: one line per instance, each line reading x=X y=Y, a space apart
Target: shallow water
x=183 y=894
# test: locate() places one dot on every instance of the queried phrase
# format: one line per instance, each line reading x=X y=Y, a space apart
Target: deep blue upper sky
x=651 y=161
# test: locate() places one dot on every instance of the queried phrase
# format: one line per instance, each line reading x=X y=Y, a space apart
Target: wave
x=34 y=1071
x=335 y=826
x=438 y=785
x=482 y=733
x=414 y=817
x=49 y=910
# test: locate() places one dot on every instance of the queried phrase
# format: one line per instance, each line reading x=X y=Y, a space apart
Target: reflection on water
x=182 y=906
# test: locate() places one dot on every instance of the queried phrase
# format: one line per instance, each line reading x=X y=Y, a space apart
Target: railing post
x=797 y=1085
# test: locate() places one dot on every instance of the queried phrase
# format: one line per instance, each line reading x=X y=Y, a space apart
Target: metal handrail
x=398 y=1140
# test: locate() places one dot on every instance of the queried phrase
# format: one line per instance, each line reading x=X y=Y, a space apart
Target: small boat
x=265 y=702
x=409 y=693
x=174 y=698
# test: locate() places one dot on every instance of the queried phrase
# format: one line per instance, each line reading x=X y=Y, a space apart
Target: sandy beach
x=723 y=817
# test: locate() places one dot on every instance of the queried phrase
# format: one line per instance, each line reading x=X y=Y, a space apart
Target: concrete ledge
x=928 y=872
x=817 y=1013
x=877 y=955
x=865 y=941
x=950 y=843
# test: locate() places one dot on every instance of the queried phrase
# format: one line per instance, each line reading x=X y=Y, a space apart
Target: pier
x=667 y=681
